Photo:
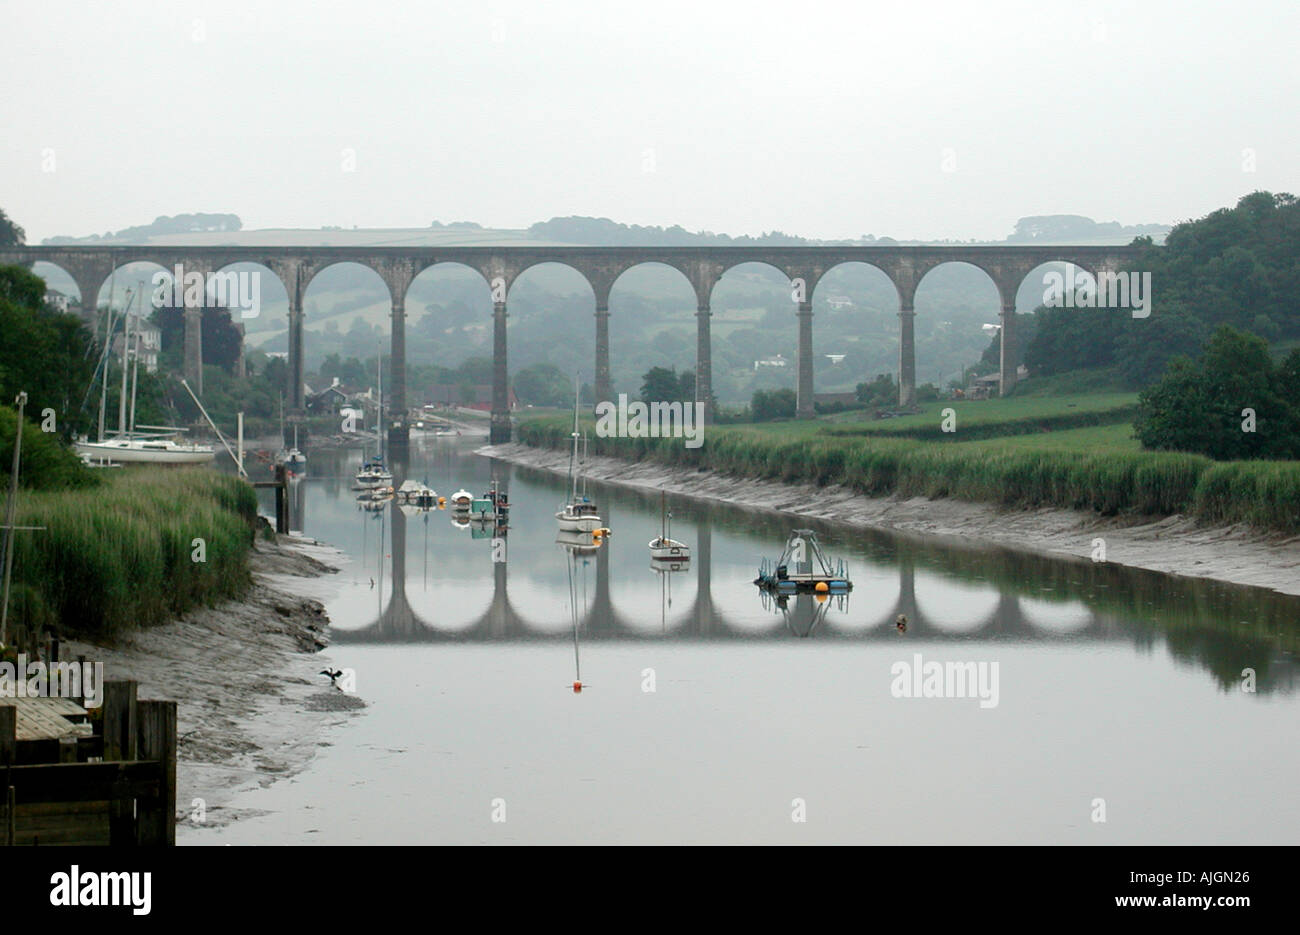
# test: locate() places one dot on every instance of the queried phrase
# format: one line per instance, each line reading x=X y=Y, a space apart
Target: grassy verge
x=123 y=553
x=993 y=418
x=1098 y=468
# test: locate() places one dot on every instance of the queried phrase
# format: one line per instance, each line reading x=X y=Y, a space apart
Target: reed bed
x=1264 y=494
x=123 y=553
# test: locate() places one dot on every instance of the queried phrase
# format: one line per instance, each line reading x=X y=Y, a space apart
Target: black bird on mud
x=333 y=674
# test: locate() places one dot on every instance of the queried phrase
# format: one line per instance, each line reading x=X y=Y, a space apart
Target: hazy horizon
x=926 y=123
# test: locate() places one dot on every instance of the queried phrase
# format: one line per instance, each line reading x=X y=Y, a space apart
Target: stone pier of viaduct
x=1007 y=266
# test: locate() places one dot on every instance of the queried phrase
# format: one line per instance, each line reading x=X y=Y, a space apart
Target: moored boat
x=461 y=500
x=144 y=451
x=580 y=514
x=803 y=567
x=664 y=548
x=374 y=474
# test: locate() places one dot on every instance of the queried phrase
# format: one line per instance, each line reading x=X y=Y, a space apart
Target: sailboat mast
x=583 y=465
x=126 y=340
x=108 y=346
x=573 y=456
x=135 y=378
x=103 y=376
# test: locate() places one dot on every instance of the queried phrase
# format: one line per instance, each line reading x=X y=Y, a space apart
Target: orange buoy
x=822 y=587
x=577 y=688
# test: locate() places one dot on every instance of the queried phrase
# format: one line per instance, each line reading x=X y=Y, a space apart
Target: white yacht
x=580 y=514
x=143 y=450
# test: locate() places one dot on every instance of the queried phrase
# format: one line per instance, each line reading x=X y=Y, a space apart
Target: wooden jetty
x=69 y=775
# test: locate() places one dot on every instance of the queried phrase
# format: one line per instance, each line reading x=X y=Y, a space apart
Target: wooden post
x=120 y=720
x=81 y=682
x=121 y=735
x=11 y=806
x=156 y=818
x=8 y=749
x=8 y=734
x=281 y=500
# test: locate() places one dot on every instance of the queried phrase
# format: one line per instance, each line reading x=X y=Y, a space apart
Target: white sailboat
x=291 y=458
x=663 y=548
x=158 y=447
x=580 y=514
x=373 y=473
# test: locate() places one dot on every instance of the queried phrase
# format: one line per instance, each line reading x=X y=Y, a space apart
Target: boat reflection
x=804 y=611
x=665 y=570
x=579 y=547
x=942 y=591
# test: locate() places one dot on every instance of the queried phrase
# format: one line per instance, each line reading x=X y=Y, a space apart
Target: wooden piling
x=81 y=682
x=281 y=499
x=120 y=743
x=8 y=752
x=8 y=735
x=156 y=817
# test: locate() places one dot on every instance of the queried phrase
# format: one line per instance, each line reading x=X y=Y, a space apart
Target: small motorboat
x=461 y=500
x=374 y=474
x=492 y=505
x=416 y=494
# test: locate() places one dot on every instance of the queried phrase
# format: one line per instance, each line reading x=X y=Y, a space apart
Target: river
x=1075 y=703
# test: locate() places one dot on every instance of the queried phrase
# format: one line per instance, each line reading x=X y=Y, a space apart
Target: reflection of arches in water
x=804 y=612
x=738 y=602
x=953 y=606
x=542 y=606
x=877 y=591
x=581 y=596
x=660 y=599
x=1062 y=617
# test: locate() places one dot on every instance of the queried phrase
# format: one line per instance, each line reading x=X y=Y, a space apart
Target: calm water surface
x=1113 y=685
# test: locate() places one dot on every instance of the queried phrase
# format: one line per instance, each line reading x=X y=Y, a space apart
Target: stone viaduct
x=1007 y=266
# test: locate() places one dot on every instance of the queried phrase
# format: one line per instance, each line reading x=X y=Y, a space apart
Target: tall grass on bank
x=122 y=554
x=1263 y=494
x=1023 y=425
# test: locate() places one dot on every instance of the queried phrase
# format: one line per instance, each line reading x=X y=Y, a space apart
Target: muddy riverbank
x=252 y=706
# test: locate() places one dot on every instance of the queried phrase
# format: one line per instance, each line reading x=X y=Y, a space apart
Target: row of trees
x=46 y=353
x=1238 y=266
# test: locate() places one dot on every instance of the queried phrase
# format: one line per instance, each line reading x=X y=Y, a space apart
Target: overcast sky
x=916 y=120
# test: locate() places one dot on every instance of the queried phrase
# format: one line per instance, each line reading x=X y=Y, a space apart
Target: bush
x=1232 y=403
